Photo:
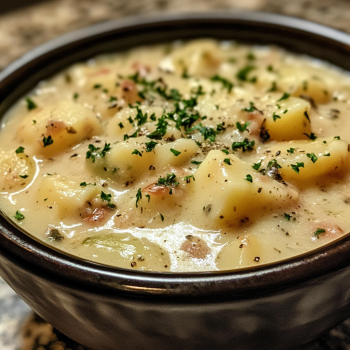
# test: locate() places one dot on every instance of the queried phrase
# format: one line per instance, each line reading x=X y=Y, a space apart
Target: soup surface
x=195 y=156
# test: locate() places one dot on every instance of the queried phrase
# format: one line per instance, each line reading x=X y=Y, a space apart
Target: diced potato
x=307 y=81
x=290 y=122
x=243 y=251
x=200 y=57
x=67 y=195
x=65 y=123
x=16 y=170
x=124 y=250
x=122 y=164
x=224 y=196
x=331 y=157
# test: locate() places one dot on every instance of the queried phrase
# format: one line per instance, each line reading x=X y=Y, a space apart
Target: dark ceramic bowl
x=278 y=306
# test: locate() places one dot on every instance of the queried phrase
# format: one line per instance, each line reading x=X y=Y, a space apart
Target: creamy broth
x=195 y=156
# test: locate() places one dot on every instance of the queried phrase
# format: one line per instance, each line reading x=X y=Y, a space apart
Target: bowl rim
x=38 y=258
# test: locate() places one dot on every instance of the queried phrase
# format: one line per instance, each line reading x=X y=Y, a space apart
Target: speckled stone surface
x=20 y=31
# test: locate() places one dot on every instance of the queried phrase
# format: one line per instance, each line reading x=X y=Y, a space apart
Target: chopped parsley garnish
x=161 y=216
x=150 y=146
x=126 y=136
x=307 y=116
x=225 y=151
x=161 y=128
x=273 y=164
x=34 y=121
x=75 y=96
x=319 y=231
x=188 y=178
x=284 y=97
x=291 y=150
x=251 y=107
x=245 y=145
x=131 y=121
x=23 y=176
x=185 y=74
x=336 y=137
x=105 y=196
x=47 y=141
x=248 y=178
x=275 y=117
x=196 y=162
x=140 y=117
x=106 y=148
x=92 y=153
x=121 y=125
x=148 y=196
x=273 y=87
x=207 y=132
x=227 y=161
x=242 y=127
x=297 y=166
x=97 y=86
x=30 y=104
x=112 y=99
x=312 y=136
x=169 y=181
x=84 y=184
x=137 y=152
x=138 y=196
x=250 y=56
x=312 y=156
x=243 y=73
x=327 y=154
x=174 y=152
x=257 y=166
x=226 y=84
x=19 y=216
x=20 y=149
x=287 y=216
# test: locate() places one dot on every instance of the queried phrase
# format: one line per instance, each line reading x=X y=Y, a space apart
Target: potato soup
x=196 y=156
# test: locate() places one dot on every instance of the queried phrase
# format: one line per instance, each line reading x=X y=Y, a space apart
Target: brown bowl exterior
x=278 y=306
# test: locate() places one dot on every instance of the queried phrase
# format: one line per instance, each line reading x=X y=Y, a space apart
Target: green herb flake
x=97 y=86
x=269 y=68
x=47 y=141
x=188 y=178
x=242 y=127
x=336 y=137
x=138 y=196
x=227 y=161
x=225 y=151
x=287 y=216
x=137 y=152
x=250 y=109
x=297 y=166
x=257 y=166
x=312 y=136
x=291 y=150
x=174 y=152
x=275 y=117
x=169 y=181
x=284 y=97
x=121 y=125
x=19 y=216
x=23 y=176
x=196 y=162
x=273 y=164
x=19 y=150
x=312 y=156
x=273 y=87
x=226 y=84
x=326 y=154
x=243 y=73
x=248 y=178
x=75 y=96
x=161 y=216
x=34 y=121
x=307 y=116
x=245 y=145
x=30 y=104
x=150 y=146
x=319 y=231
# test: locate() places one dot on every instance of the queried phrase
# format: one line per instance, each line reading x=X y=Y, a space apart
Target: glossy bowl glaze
x=278 y=306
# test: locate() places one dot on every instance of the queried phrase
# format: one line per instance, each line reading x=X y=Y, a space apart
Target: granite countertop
x=20 y=31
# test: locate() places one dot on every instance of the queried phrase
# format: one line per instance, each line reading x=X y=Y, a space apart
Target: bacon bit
x=130 y=92
x=54 y=127
x=256 y=119
x=102 y=71
x=142 y=69
x=195 y=247
x=156 y=190
x=98 y=215
x=332 y=231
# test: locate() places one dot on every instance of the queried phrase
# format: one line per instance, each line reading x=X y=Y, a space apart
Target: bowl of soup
x=180 y=182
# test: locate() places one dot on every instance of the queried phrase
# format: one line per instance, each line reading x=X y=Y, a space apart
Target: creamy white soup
x=194 y=156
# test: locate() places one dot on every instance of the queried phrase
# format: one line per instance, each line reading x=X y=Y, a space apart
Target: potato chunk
x=130 y=161
x=16 y=170
x=290 y=121
x=223 y=193
x=67 y=195
x=315 y=158
x=53 y=129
